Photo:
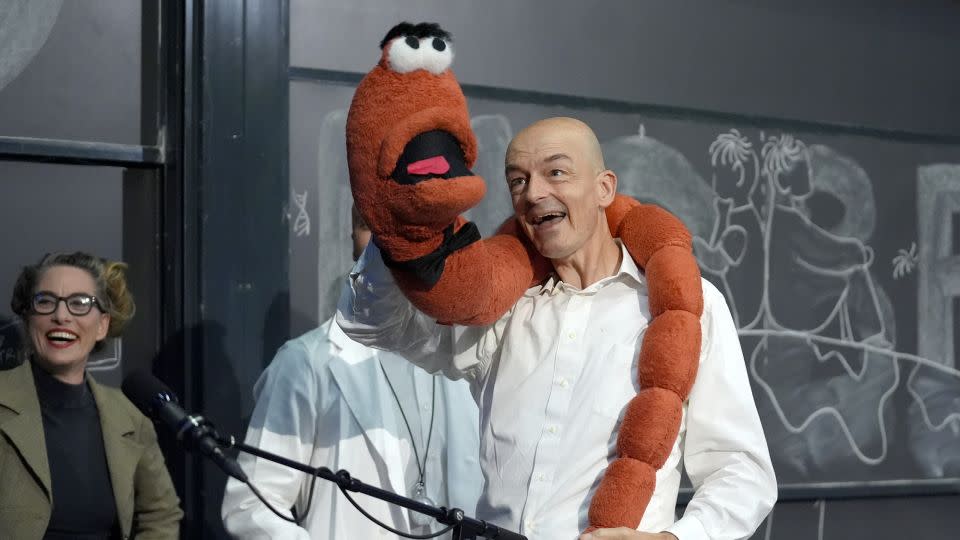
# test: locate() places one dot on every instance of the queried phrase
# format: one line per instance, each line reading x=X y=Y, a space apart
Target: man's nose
x=537 y=189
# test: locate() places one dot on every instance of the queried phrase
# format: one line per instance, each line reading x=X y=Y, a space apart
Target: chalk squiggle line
x=892 y=355
x=950 y=419
x=896 y=355
x=824 y=411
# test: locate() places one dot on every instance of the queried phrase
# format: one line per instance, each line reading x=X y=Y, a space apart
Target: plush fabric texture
x=623 y=494
x=647 y=228
x=670 y=353
x=388 y=110
x=482 y=281
x=650 y=439
x=616 y=212
x=677 y=275
x=479 y=284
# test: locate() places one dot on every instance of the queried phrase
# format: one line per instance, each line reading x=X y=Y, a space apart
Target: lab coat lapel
x=356 y=369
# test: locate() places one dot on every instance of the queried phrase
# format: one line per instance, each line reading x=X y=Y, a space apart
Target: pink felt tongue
x=434 y=165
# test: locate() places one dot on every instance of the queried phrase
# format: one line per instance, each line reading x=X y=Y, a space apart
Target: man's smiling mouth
x=547 y=218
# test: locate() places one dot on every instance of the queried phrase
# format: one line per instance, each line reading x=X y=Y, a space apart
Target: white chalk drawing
x=651 y=171
x=108 y=358
x=938 y=204
x=817 y=329
x=493 y=135
x=24 y=28
x=935 y=407
x=905 y=261
x=331 y=225
x=822 y=507
x=301 y=225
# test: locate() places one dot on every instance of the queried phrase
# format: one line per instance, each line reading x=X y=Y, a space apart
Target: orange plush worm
x=410 y=149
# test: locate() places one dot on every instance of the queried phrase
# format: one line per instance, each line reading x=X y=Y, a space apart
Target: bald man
x=553 y=375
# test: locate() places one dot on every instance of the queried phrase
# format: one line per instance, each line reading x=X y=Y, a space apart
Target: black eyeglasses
x=79 y=304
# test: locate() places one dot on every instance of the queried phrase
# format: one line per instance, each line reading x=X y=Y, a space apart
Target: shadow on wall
x=223 y=399
x=220 y=401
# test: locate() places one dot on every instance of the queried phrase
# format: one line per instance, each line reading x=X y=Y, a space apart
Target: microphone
x=156 y=401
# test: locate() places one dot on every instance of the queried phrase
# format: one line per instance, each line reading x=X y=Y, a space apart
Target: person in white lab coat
x=330 y=402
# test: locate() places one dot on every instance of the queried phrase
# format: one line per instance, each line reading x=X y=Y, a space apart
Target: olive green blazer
x=147 y=504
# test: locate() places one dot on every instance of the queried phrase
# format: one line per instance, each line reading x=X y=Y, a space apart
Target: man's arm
x=373 y=311
x=284 y=421
x=725 y=452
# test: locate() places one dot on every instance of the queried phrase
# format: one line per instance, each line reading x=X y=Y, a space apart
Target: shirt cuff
x=688 y=528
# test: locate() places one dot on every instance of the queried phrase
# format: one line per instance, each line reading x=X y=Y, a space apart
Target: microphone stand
x=464 y=527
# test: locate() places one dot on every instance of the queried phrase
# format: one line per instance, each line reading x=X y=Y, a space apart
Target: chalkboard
x=836 y=248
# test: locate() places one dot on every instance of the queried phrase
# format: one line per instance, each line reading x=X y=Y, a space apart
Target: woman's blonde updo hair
x=110 y=278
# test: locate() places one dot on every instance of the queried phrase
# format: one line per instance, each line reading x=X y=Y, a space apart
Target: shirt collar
x=627 y=273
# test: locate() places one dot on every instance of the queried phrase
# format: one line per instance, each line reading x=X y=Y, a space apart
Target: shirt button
x=528 y=525
x=552 y=429
x=572 y=335
x=562 y=382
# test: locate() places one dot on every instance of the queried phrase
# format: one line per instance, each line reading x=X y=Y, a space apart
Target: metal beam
x=80 y=153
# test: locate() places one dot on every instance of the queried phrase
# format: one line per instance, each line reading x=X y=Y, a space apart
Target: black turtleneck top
x=83 y=503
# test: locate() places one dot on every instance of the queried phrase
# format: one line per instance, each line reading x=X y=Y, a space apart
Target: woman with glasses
x=77 y=459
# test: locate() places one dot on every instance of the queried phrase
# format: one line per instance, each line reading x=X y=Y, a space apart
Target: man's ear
x=606 y=187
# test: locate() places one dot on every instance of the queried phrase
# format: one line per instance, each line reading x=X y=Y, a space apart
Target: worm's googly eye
x=437 y=55
x=410 y=54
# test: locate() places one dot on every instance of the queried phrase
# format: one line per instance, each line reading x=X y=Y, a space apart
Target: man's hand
x=623 y=533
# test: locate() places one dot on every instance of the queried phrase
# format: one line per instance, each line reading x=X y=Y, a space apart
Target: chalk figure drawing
x=817 y=330
x=301 y=225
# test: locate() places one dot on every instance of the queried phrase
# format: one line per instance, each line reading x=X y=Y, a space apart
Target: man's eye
x=557 y=172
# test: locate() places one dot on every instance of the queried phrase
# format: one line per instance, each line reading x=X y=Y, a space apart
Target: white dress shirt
x=323 y=400
x=552 y=378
